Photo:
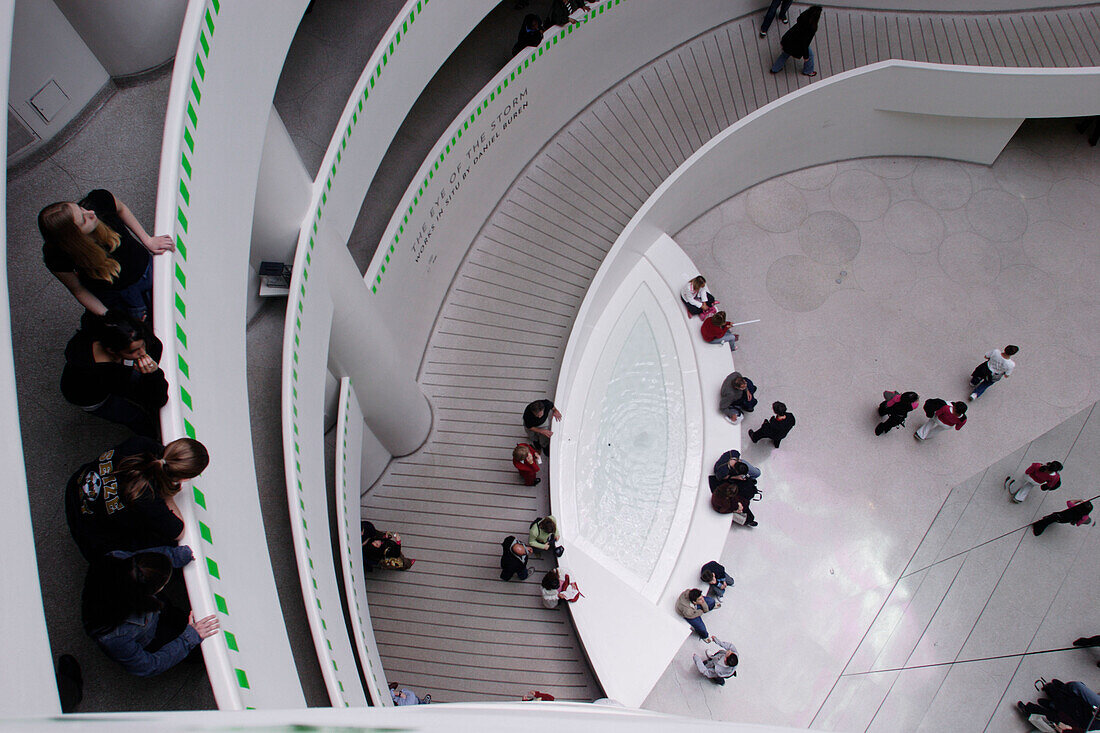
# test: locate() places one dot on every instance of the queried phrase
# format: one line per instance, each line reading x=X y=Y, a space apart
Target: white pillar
x=363 y=348
x=127 y=36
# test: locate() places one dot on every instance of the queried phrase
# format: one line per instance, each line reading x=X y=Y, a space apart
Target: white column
x=127 y=36
x=282 y=196
x=363 y=348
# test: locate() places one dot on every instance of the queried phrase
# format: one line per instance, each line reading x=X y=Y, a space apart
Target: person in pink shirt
x=948 y=416
x=1042 y=475
x=526 y=460
x=895 y=408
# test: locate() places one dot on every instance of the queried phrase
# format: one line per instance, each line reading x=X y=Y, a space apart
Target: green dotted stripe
x=595 y=12
x=351 y=550
x=180 y=297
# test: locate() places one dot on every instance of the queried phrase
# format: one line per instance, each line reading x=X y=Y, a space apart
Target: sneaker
x=763 y=34
x=784 y=19
x=732 y=420
x=426 y=700
x=537 y=481
x=718 y=681
x=751 y=523
x=972 y=396
x=1008 y=483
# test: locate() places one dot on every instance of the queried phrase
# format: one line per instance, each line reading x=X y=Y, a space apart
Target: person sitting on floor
x=697 y=299
x=717 y=330
x=692 y=604
x=404 y=696
x=735 y=497
x=716 y=578
x=513 y=558
x=382 y=549
x=725 y=468
x=737 y=396
x=544 y=535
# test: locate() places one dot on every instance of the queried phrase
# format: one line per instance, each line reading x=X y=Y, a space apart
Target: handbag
x=1040 y=722
x=739 y=517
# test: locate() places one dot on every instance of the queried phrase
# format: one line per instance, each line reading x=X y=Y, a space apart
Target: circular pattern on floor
x=914 y=226
x=776 y=206
x=997 y=215
x=1066 y=377
x=1025 y=292
x=829 y=238
x=739 y=241
x=798 y=283
x=1023 y=173
x=942 y=184
x=859 y=195
x=813 y=179
x=967 y=258
x=1055 y=248
x=897 y=167
x=1076 y=202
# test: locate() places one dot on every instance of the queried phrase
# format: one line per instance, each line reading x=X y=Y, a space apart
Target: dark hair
x=116 y=588
x=1011 y=349
x=532 y=20
x=910 y=397
x=1054 y=465
x=550 y=580
x=183 y=459
x=740 y=468
x=547 y=524
x=779 y=408
x=734 y=662
x=719 y=318
x=116 y=330
x=959 y=407
x=706 y=576
x=694 y=594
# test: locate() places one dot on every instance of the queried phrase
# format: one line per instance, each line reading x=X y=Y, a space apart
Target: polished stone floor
x=891 y=584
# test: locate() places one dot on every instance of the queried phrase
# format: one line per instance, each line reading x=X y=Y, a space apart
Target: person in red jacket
x=717 y=330
x=948 y=416
x=1042 y=475
x=526 y=460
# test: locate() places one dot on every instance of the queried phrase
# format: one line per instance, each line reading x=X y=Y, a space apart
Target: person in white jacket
x=719 y=665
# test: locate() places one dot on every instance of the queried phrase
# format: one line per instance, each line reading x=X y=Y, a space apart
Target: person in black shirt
x=111 y=371
x=124 y=500
x=537 y=419
x=775 y=428
x=530 y=33
x=382 y=549
x=796 y=41
x=100 y=252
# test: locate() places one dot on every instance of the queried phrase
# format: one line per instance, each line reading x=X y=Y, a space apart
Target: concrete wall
x=127 y=36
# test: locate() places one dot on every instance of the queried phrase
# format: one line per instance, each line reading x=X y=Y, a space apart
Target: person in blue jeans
x=782 y=6
x=796 y=41
x=692 y=604
x=725 y=468
x=716 y=578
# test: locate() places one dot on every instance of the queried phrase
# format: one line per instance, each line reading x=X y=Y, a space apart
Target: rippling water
x=631 y=469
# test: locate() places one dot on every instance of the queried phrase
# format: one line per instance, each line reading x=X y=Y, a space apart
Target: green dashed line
x=181 y=336
x=180 y=306
x=221 y=603
x=181 y=248
x=191 y=114
x=217 y=6
x=186 y=166
x=210 y=23
x=199 y=67
x=186 y=397
x=212 y=568
x=181 y=218
x=195 y=91
x=180 y=276
x=231 y=641
x=200 y=498
x=184 y=370
x=189 y=140
x=190 y=430
x=205 y=533
x=204 y=42
x=242 y=679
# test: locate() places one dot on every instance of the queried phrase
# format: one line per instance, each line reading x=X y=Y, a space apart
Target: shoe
x=1008 y=483
x=1037 y=530
x=1021 y=707
x=732 y=420
x=972 y=396
x=751 y=523
x=784 y=19
x=812 y=73
x=752 y=436
x=426 y=700
x=537 y=481
x=773 y=71
x=879 y=430
x=763 y=34
x=917 y=437
x=718 y=681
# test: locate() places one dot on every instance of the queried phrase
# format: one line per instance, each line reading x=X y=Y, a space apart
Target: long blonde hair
x=88 y=252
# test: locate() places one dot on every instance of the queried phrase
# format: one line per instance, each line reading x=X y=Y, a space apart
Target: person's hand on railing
x=160 y=244
x=206 y=626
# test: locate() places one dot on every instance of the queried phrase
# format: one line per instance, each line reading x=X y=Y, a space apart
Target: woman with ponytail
x=111 y=371
x=100 y=252
x=124 y=500
x=122 y=610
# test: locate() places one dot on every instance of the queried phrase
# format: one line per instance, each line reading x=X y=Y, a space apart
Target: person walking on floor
x=947 y=416
x=895 y=408
x=526 y=460
x=692 y=604
x=780 y=6
x=775 y=428
x=737 y=396
x=537 y=419
x=1076 y=513
x=1038 y=475
x=716 y=578
x=720 y=665
x=796 y=41
x=513 y=558
x=717 y=330
x=997 y=366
